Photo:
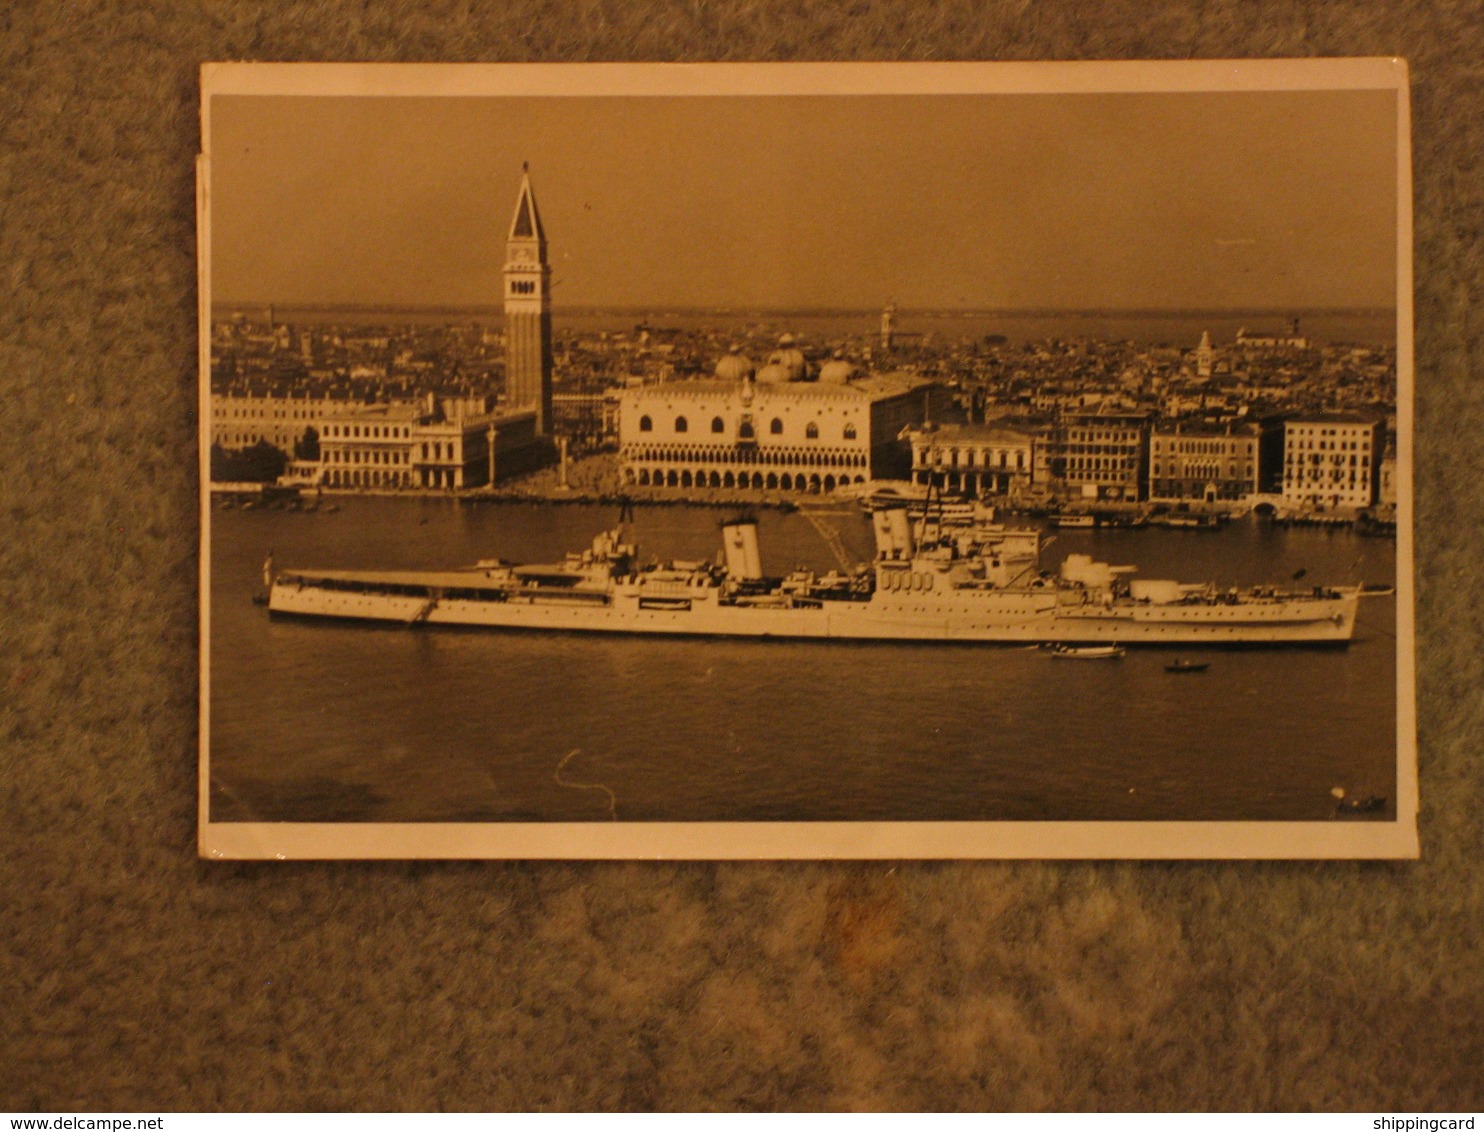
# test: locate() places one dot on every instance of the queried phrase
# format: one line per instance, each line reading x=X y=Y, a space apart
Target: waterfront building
x=1205 y=462
x=528 y=352
x=1332 y=460
x=368 y=446
x=430 y=442
x=973 y=459
x=734 y=431
x=241 y=420
x=450 y=443
x=1102 y=454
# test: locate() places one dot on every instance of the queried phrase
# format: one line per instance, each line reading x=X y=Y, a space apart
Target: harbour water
x=335 y=722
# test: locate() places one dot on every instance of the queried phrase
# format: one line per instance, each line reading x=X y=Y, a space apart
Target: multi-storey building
x=732 y=431
x=973 y=459
x=242 y=420
x=1206 y=463
x=451 y=444
x=1332 y=460
x=1101 y=454
x=368 y=446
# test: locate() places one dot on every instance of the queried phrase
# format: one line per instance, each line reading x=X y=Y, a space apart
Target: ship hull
x=1025 y=617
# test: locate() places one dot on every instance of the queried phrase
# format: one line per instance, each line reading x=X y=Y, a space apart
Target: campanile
x=528 y=311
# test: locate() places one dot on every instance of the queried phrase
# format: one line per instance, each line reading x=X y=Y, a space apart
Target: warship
x=931 y=580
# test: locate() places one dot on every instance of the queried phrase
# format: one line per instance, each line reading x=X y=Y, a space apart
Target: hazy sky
x=1282 y=200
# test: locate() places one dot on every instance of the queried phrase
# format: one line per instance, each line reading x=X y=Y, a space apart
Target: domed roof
x=790 y=357
x=734 y=366
x=775 y=373
x=838 y=369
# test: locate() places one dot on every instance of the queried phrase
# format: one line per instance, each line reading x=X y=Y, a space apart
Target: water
x=326 y=722
x=1365 y=327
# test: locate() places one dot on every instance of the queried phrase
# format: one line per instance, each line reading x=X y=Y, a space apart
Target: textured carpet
x=137 y=977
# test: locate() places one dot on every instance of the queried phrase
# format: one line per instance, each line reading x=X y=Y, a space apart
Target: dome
x=774 y=373
x=790 y=358
x=837 y=369
x=733 y=367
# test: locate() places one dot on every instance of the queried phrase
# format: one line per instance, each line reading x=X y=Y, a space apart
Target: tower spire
x=528 y=352
x=526 y=223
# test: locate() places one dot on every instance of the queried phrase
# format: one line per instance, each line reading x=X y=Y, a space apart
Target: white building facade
x=1332 y=460
x=973 y=460
x=789 y=436
x=447 y=445
x=240 y=421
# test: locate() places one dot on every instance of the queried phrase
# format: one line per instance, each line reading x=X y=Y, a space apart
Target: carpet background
x=136 y=977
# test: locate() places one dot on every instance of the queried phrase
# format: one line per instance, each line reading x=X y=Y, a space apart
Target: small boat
x=1187 y=666
x=1088 y=652
x=1076 y=522
x=1188 y=522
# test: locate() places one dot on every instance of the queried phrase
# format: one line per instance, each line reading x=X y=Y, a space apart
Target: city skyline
x=1270 y=201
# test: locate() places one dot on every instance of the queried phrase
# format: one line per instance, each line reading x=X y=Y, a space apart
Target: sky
x=1235 y=200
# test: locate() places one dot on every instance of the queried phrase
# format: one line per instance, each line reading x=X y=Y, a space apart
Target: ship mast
x=831 y=539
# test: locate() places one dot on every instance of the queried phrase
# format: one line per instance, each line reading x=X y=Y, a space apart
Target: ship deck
x=420 y=579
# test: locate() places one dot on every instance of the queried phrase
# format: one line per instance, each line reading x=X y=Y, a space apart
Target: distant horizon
x=826 y=311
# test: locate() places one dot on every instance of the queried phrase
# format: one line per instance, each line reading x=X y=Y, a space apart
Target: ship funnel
x=893 y=534
x=739 y=540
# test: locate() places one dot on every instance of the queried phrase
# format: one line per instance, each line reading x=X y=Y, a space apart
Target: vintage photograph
x=861 y=460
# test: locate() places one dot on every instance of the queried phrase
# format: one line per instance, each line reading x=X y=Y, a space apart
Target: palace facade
x=1207 y=463
x=779 y=431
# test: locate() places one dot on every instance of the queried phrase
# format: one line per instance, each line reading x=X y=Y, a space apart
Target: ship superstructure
x=931 y=580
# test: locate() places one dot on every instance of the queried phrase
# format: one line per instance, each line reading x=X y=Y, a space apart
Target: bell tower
x=528 y=310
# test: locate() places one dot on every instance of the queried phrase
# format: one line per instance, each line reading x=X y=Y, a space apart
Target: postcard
x=807 y=460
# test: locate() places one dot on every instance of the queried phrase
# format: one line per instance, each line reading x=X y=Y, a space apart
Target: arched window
x=680 y=424
x=718 y=425
x=776 y=428
x=744 y=430
x=645 y=424
x=850 y=430
x=811 y=431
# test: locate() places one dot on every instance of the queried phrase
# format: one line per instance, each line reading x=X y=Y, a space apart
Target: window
x=811 y=431
x=850 y=431
x=776 y=427
x=717 y=425
x=680 y=424
x=645 y=424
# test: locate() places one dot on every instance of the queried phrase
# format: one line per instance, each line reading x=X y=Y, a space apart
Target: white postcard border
x=1050 y=840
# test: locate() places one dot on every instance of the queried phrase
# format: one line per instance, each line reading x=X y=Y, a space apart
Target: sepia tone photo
x=807 y=460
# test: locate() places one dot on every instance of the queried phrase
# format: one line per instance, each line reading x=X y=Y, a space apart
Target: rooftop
x=1333 y=418
x=993 y=433
x=876 y=387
